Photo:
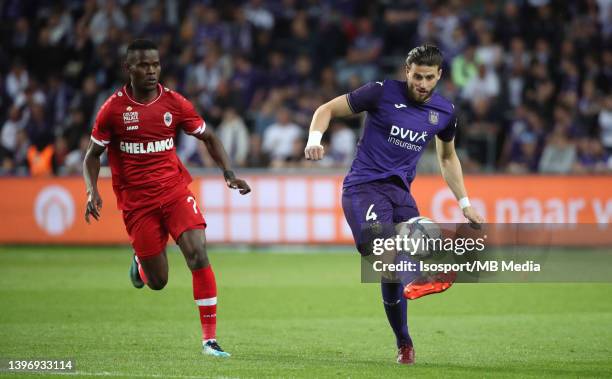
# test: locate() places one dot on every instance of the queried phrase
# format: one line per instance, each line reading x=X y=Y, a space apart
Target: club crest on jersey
x=130 y=117
x=167 y=118
x=434 y=117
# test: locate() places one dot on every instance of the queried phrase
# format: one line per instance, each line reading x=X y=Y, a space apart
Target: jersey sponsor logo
x=130 y=117
x=434 y=117
x=132 y=127
x=129 y=108
x=146 y=147
x=399 y=106
x=167 y=118
x=379 y=83
x=408 y=134
x=408 y=139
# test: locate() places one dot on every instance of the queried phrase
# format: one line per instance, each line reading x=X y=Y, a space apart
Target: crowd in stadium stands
x=531 y=79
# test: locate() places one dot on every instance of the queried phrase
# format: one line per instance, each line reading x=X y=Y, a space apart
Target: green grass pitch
x=289 y=315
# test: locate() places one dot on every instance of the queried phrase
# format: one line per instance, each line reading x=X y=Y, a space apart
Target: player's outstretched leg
x=397 y=314
x=436 y=283
x=137 y=275
x=150 y=270
x=193 y=246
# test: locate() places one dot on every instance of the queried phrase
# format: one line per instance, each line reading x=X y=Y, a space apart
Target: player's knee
x=195 y=255
x=198 y=258
x=157 y=283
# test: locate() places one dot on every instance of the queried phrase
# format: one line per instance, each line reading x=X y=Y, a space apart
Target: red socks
x=205 y=296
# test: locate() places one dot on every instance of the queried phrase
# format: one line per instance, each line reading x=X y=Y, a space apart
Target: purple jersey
x=397 y=131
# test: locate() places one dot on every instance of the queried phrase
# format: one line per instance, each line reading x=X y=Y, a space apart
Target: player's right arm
x=338 y=107
x=91 y=169
x=364 y=98
x=100 y=138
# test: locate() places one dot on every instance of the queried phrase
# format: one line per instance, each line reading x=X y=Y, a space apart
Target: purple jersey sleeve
x=447 y=134
x=365 y=98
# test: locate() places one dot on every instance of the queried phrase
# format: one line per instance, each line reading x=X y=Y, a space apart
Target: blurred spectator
x=439 y=25
x=517 y=56
x=107 y=16
x=588 y=106
x=362 y=54
x=60 y=152
x=525 y=159
x=488 y=52
x=514 y=85
x=302 y=40
x=246 y=80
x=87 y=99
x=463 y=67
x=518 y=72
x=592 y=157
x=400 y=20
x=15 y=162
x=559 y=154
x=605 y=123
x=40 y=160
x=265 y=115
x=22 y=36
x=508 y=24
x=258 y=15
x=39 y=130
x=280 y=137
x=342 y=144
x=239 y=36
x=280 y=74
x=60 y=26
x=204 y=78
x=481 y=131
x=484 y=85
x=234 y=135
x=11 y=127
x=58 y=99
x=17 y=79
x=604 y=77
x=73 y=162
x=156 y=27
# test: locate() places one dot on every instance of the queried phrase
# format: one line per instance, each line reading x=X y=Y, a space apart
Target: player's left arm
x=192 y=124
x=218 y=154
x=453 y=175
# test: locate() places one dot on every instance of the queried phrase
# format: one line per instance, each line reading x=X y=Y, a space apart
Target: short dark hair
x=425 y=55
x=141 y=44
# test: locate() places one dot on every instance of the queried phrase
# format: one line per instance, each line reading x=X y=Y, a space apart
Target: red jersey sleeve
x=101 y=133
x=191 y=122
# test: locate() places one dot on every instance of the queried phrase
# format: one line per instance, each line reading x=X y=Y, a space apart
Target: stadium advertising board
x=299 y=209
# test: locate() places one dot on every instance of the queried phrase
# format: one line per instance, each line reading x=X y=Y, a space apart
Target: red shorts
x=149 y=227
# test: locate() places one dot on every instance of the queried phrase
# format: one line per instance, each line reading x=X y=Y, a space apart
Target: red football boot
x=405 y=355
x=436 y=283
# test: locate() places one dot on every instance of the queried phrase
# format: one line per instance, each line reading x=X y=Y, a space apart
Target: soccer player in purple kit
x=402 y=117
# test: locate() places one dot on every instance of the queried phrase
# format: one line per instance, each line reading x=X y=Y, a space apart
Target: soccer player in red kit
x=137 y=125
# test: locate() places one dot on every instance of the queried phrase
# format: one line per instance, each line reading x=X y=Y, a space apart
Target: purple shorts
x=372 y=209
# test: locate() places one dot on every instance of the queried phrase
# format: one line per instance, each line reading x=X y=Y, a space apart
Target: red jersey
x=140 y=140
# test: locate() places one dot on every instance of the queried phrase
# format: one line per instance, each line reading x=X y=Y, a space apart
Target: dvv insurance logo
x=54 y=210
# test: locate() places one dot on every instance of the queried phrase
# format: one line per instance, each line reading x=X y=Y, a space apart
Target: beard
x=418 y=96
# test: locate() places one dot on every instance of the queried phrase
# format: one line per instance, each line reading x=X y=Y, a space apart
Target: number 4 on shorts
x=370 y=215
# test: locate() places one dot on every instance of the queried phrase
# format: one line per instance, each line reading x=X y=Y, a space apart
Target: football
x=419 y=228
